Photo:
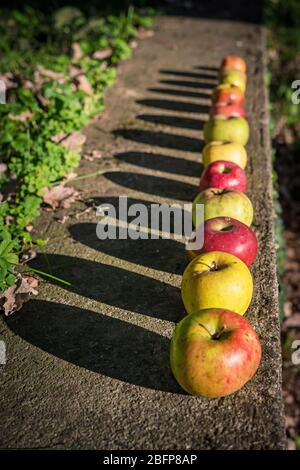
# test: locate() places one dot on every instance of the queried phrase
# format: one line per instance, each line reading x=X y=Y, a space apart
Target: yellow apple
x=224 y=150
x=216 y=280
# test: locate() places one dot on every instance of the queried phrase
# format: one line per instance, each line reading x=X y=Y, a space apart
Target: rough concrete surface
x=88 y=364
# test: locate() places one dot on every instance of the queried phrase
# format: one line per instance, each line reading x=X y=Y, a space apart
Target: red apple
x=228 y=94
x=214 y=352
x=228 y=110
x=228 y=235
x=234 y=62
x=223 y=174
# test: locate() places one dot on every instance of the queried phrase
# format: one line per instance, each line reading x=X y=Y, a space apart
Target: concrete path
x=88 y=365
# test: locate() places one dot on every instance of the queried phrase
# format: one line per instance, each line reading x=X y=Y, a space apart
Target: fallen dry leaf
x=3 y=168
x=83 y=84
x=57 y=138
x=60 y=196
x=27 y=256
x=51 y=74
x=134 y=44
x=69 y=177
x=9 y=79
x=93 y=155
x=74 y=142
x=15 y=296
x=103 y=54
x=77 y=52
x=144 y=33
x=25 y=116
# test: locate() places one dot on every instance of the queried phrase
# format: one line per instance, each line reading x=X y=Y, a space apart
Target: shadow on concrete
x=161 y=139
x=164 y=187
x=210 y=74
x=166 y=163
x=172 y=121
x=97 y=342
x=180 y=106
x=115 y=286
x=184 y=93
x=162 y=254
x=188 y=84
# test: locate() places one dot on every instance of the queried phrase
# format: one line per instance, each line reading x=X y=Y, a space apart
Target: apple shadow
x=166 y=163
x=172 y=121
x=190 y=84
x=113 y=285
x=178 y=106
x=172 y=189
x=196 y=75
x=96 y=342
x=124 y=217
x=165 y=255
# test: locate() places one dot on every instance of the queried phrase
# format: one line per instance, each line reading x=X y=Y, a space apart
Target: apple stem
x=218 y=333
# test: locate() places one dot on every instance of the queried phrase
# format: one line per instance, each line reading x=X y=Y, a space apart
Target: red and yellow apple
x=234 y=62
x=216 y=280
x=233 y=129
x=214 y=352
x=227 y=94
x=223 y=174
x=223 y=150
x=227 y=110
x=228 y=235
x=223 y=203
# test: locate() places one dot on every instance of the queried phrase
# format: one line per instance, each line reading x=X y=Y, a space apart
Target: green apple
x=232 y=129
x=214 y=352
x=234 y=77
x=223 y=203
x=216 y=279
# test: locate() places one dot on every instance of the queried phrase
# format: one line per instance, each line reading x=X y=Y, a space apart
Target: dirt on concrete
x=88 y=364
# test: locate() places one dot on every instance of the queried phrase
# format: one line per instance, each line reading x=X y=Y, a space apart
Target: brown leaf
x=58 y=137
x=9 y=79
x=69 y=177
x=3 y=168
x=25 y=116
x=83 y=84
x=74 y=142
x=51 y=74
x=77 y=52
x=15 y=296
x=75 y=71
x=93 y=155
x=60 y=196
x=27 y=256
x=103 y=54
x=134 y=44
x=144 y=33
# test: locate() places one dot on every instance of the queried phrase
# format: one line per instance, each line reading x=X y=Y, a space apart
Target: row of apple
x=214 y=349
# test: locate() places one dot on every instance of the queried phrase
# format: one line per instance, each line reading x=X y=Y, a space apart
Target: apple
x=227 y=110
x=233 y=129
x=227 y=94
x=234 y=78
x=223 y=150
x=223 y=203
x=223 y=174
x=214 y=352
x=216 y=280
x=234 y=62
x=228 y=235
